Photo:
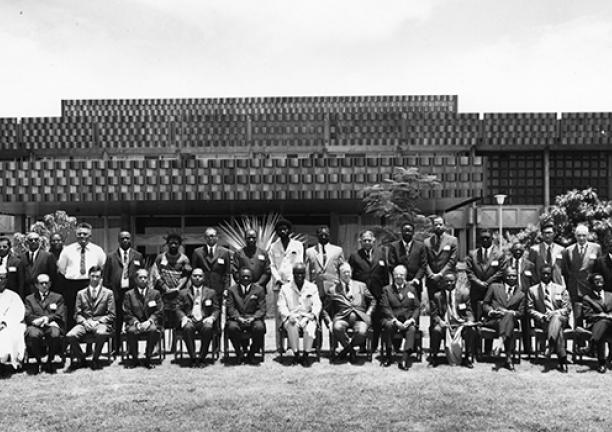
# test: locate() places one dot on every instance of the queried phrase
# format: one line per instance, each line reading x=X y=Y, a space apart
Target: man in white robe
x=12 y=328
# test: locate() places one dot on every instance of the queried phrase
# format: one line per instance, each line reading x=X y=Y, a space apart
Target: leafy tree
x=58 y=222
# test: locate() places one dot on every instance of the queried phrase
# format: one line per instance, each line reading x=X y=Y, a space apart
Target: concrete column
x=546 y=179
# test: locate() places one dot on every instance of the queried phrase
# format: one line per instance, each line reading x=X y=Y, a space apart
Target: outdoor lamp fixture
x=500 y=202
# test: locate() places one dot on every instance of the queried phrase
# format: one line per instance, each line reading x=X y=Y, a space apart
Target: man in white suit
x=322 y=262
x=548 y=304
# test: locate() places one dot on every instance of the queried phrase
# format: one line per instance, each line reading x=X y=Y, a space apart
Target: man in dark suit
x=411 y=254
x=119 y=271
x=549 y=305
x=452 y=318
x=216 y=262
x=253 y=258
x=246 y=311
x=198 y=312
x=503 y=307
x=94 y=314
x=370 y=266
x=36 y=261
x=579 y=261
x=46 y=319
x=548 y=252
x=142 y=313
x=597 y=308
x=441 y=250
x=484 y=266
x=401 y=309
x=13 y=267
x=603 y=265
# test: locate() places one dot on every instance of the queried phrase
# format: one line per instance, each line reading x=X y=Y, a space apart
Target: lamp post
x=500 y=202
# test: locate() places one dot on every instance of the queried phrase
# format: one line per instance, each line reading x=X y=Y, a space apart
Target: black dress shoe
x=601 y=368
x=563 y=368
x=433 y=361
x=147 y=364
x=387 y=362
x=468 y=363
x=95 y=365
x=510 y=365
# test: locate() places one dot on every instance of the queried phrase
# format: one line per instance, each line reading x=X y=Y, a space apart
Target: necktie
x=244 y=290
x=509 y=293
x=548 y=255
x=582 y=248
x=125 y=265
x=485 y=256
x=323 y=253
x=547 y=300
x=210 y=251
x=83 y=270
x=197 y=305
x=369 y=255
x=142 y=293
x=94 y=293
x=32 y=257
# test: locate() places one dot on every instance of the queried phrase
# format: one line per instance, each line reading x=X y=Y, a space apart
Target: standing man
x=143 y=313
x=36 y=261
x=12 y=267
x=579 y=261
x=548 y=253
x=46 y=319
x=94 y=314
x=170 y=273
x=253 y=258
x=12 y=311
x=484 y=266
x=299 y=306
x=504 y=305
x=198 y=310
x=401 y=308
x=370 y=267
x=548 y=304
x=441 y=255
x=119 y=271
x=73 y=263
x=216 y=262
x=603 y=265
x=246 y=312
x=285 y=253
x=411 y=254
x=322 y=261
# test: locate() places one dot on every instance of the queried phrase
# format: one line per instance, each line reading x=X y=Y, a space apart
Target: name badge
x=12 y=269
x=527 y=272
x=53 y=307
x=461 y=306
x=446 y=248
x=495 y=263
x=221 y=261
x=137 y=263
x=410 y=295
x=381 y=263
x=592 y=256
x=559 y=257
x=208 y=302
x=559 y=297
x=261 y=258
x=152 y=303
x=254 y=297
x=164 y=261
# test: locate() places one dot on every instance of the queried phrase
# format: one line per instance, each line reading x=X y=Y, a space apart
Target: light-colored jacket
x=301 y=302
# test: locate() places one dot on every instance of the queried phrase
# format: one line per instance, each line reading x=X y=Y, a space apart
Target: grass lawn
x=322 y=398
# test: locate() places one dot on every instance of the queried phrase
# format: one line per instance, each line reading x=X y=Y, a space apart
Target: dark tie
x=485 y=256
x=32 y=257
x=509 y=293
x=548 y=255
x=125 y=265
x=516 y=265
x=369 y=256
x=324 y=254
x=210 y=252
x=83 y=269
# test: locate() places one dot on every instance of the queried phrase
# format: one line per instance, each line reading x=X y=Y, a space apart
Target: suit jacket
x=113 y=268
x=576 y=269
x=400 y=305
x=415 y=259
x=527 y=276
x=44 y=263
x=537 y=255
x=282 y=260
x=559 y=298
x=253 y=304
x=258 y=263
x=306 y=301
x=101 y=309
x=137 y=309
x=481 y=273
x=217 y=269
x=358 y=300
x=15 y=276
x=209 y=305
x=603 y=265
x=497 y=299
x=442 y=259
x=593 y=305
x=439 y=306
x=324 y=273
x=53 y=307
x=374 y=273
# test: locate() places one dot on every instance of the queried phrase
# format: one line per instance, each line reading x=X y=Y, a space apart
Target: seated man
x=198 y=310
x=597 y=314
x=246 y=311
x=400 y=308
x=94 y=315
x=351 y=305
x=452 y=318
x=142 y=314
x=45 y=317
x=549 y=305
x=503 y=307
x=299 y=306
x=12 y=311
